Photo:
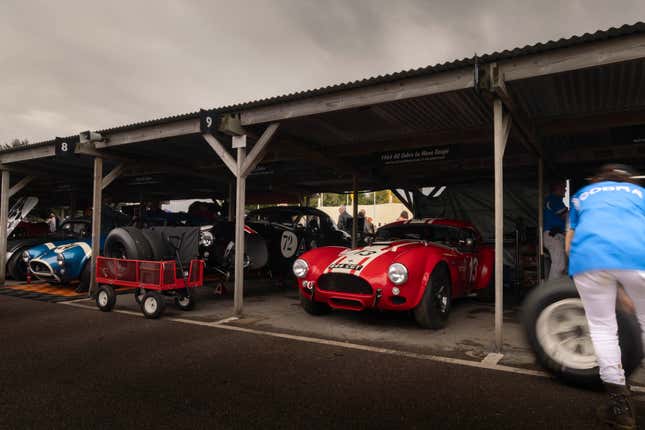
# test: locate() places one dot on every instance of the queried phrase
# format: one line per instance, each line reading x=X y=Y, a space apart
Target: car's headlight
x=300 y=268
x=205 y=239
x=60 y=258
x=25 y=257
x=397 y=273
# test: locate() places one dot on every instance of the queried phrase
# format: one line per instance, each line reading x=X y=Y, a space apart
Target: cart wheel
x=152 y=305
x=138 y=295
x=185 y=303
x=105 y=298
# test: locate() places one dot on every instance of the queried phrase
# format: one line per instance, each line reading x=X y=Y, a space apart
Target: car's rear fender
x=485 y=268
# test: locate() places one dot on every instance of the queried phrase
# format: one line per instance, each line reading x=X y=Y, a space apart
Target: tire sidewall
x=111 y=298
x=551 y=292
x=135 y=244
x=160 y=305
x=426 y=313
x=14 y=262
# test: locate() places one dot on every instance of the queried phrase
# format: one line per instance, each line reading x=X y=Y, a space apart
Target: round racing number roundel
x=288 y=244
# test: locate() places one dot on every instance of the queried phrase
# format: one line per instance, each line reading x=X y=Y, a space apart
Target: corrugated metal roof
x=611 y=33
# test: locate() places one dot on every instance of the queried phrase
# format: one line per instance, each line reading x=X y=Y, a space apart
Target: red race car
x=418 y=265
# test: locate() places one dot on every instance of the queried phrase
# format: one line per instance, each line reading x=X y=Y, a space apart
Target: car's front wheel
x=85 y=279
x=312 y=307
x=16 y=267
x=556 y=328
x=434 y=308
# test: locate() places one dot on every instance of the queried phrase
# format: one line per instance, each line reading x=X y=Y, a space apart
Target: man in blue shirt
x=555 y=215
x=606 y=246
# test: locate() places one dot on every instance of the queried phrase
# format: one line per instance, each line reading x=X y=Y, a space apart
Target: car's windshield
x=280 y=217
x=427 y=232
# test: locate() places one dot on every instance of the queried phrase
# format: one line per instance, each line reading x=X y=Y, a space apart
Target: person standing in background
x=555 y=217
x=344 y=219
x=52 y=222
x=404 y=216
x=606 y=246
x=370 y=229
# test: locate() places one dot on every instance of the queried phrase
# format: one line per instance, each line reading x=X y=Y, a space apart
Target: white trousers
x=598 y=290
x=555 y=246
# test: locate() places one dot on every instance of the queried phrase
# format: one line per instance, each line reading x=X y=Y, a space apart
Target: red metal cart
x=151 y=281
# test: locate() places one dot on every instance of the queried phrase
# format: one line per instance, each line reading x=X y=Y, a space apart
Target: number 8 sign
x=65 y=147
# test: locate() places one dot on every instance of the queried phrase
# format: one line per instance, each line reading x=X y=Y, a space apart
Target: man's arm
x=567 y=240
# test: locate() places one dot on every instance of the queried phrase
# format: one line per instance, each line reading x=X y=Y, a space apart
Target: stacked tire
x=134 y=244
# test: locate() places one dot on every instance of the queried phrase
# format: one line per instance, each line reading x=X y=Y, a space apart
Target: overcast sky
x=68 y=66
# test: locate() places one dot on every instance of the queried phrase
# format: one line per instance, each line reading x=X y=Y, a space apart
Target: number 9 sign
x=207 y=121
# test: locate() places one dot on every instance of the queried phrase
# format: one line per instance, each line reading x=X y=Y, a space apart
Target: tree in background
x=14 y=143
x=333 y=199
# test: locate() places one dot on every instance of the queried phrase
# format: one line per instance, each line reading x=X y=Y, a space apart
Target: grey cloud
x=72 y=65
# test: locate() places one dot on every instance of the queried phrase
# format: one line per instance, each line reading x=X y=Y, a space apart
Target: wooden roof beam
x=494 y=86
x=582 y=56
x=399 y=89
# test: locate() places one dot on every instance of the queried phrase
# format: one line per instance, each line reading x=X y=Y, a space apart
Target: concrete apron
x=469 y=334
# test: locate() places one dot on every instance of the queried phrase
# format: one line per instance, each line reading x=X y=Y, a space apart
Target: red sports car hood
x=378 y=256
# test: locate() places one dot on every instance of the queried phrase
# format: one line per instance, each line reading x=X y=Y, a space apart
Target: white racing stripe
x=354 y=261
x=87 y=250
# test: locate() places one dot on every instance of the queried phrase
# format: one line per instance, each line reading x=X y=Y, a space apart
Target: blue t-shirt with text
x=608 y=219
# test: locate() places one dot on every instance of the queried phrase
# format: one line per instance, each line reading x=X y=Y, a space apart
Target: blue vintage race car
x=67 y=259
x=61 y=261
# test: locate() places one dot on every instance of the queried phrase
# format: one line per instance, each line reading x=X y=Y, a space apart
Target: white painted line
x=359 y=347
x=227 y=320
x=185 y=321
x=120 y=311
x=66 y=302
x=492 y=359
x=486 y=363
x=75 y=304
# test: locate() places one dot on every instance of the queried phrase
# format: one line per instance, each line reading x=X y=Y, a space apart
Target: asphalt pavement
x=66 y=367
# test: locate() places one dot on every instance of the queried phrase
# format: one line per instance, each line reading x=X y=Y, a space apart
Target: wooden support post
x=231 y=201
x=501 y=129
x=239 y=233
x=259 y=149
x=97 y=203
x=4 y=218
x=355 y=211
x=114 y=173
x=540 y=242
x=240 y=169
x=221 y=151
x=20 y=185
